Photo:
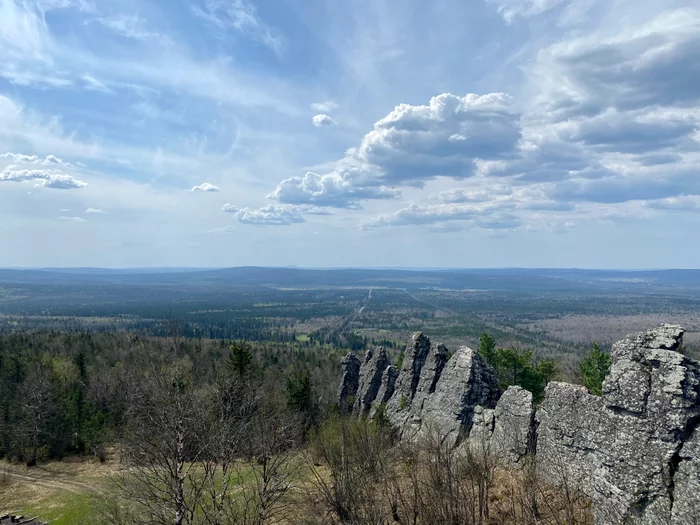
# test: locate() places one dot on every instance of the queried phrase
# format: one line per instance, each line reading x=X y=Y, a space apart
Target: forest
x=144 y=399
x=219 y=431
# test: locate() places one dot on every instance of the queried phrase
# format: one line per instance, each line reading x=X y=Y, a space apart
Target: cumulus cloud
x=94 y=210
x=72 y=219
x=324 y=107
x=323 y=120
x=47 y=178
x=33 y=159
x=607 y=120
x=411 y=145
x=477 y=194
x=435 y=213
x=339 y=189
x=270 y=215
x=206 y=187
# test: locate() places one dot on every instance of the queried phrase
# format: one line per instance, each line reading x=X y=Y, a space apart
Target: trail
x=353 y=316
x=75 y=487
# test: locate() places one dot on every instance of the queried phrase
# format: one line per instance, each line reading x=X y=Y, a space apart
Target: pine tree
x=240 y=359
x=593 y=369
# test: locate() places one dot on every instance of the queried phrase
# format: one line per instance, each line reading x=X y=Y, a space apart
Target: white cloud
x=128 y=26
x=229 y=208
x=412 y=143
x=483 y=193
x=324 y=107
x=93 y=84
x=338 y=189
x=410 y=146
x=206 y=187
x=33 y=159
x=72 y=219
x=322 y=120
x=682 y=203
x=241 y=15
x=511 y=9
x=94 y=210
x=270 y=215
x=48 y=178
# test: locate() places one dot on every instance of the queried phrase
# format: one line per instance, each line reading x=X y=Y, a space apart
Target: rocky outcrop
x=626 y=449
x=570 y=424
x=686 y=481
x=371 y=372
x=350 y=382
x=466 y=382
x=507 y=432
x=635 y=450
x=415 y=356
x=428 y=394
x=386 y=389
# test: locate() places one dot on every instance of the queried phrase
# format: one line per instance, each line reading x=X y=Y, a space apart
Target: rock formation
x=635 y=451
x=350 y=383
x=371 y=372
x=508 y=431
x=429 y=393
x=627 y=448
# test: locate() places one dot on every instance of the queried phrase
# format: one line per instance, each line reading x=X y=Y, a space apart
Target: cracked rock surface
x=634 y=449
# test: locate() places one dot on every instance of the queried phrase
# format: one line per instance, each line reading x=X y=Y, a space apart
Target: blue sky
x=546 y=133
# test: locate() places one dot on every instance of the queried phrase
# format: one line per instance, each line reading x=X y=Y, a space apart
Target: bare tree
x=35 y=399
x=167 y=436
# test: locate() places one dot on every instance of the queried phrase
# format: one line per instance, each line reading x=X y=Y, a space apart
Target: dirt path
x=75 y=487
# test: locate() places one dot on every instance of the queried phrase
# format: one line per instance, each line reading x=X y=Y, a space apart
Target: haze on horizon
x=375 y=133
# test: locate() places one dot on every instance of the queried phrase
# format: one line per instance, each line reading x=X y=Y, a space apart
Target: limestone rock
x=506 y=433
x=652 y=398
x=415 y=356
x=481 y=434
x=633 y=449
x=513 y=428
x=466 y=382
x=570 y=425
x=350 y=381
x=371 y=372
x=386 y=389
x=686 y=490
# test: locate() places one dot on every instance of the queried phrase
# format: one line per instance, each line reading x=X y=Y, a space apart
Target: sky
x=326 y=133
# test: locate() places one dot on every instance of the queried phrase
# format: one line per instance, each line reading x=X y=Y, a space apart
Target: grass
x=58 y=492
x=64 y=508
